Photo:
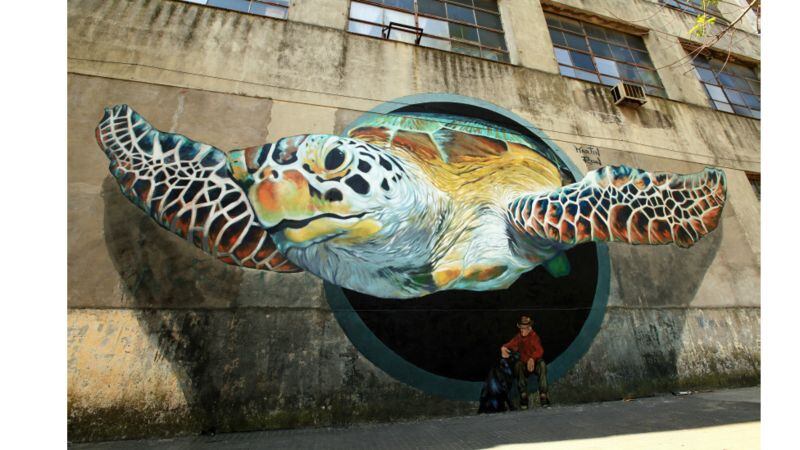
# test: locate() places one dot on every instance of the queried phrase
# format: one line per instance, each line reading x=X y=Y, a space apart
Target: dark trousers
x=522 y=374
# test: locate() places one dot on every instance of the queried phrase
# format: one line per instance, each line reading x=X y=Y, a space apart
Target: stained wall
x=164 y=340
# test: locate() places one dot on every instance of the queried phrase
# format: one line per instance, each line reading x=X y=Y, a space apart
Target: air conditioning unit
x=627 y=94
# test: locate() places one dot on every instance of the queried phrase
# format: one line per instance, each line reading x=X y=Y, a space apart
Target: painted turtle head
x=310 y=189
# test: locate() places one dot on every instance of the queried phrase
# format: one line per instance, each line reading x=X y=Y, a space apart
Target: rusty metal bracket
x=387 y=30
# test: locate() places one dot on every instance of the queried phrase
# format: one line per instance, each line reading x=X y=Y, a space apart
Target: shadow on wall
x=639 y=349
x=241 y=367
x=226 y=357
x=164 y=277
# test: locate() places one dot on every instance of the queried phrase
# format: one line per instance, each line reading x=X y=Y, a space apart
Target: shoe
x=523 y=402
x=544 y=401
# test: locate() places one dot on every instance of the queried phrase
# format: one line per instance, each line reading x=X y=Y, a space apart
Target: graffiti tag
x=590 y=155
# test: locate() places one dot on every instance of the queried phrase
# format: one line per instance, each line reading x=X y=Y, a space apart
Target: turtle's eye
x=334 y=159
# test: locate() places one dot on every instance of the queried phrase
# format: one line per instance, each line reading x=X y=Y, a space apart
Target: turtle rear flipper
x=557 y=266
x=619 y=203
x=186 y=187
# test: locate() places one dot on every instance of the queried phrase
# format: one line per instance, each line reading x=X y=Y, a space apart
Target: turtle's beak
x=289 y=207
x=283 y=196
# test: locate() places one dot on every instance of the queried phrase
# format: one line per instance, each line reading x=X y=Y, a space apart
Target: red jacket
x=529 y=346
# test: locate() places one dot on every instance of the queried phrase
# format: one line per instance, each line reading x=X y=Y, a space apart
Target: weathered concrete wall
x=666 y=25
x=164 y=340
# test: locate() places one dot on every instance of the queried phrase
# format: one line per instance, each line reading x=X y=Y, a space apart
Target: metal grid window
x=602 y=55
x=274 y=8
x=471 y=27
x=694 y=7
x=731 y=87
x=755 y=183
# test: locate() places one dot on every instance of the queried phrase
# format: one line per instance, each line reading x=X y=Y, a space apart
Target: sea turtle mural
x=404 y=205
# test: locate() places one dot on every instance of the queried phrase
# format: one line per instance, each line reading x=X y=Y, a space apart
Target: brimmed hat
x=524 y=321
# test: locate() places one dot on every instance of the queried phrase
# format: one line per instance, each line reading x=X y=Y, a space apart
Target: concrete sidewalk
x=719 y=419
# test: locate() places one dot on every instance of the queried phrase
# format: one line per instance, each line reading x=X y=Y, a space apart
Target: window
x=755 y=183
x=270 y=8
x=695 y=8
x=731 y=87
x=471 y=27
x=602 y=55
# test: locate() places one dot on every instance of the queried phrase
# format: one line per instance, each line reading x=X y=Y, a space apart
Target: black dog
x=496 y=391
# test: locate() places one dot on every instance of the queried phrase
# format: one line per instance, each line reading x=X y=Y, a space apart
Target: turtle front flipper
x=188 y=188
x=619 y=203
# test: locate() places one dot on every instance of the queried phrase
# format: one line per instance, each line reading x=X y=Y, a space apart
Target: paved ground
x=714 y=420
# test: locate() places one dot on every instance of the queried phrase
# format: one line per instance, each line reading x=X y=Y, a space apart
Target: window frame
x=591 y=54
x=754 y=178
x=274 y=3
x=713 y=12
x=708 y=55
x=417 y=14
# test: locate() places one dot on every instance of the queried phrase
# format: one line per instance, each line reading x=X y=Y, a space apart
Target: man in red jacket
x=529 y=346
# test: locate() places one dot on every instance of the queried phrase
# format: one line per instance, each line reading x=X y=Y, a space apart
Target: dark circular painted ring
x=390 y=362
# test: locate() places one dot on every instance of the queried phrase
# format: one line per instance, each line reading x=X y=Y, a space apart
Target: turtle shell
x=448 y=139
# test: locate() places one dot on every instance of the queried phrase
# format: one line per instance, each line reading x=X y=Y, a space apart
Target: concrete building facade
x=164 y=340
